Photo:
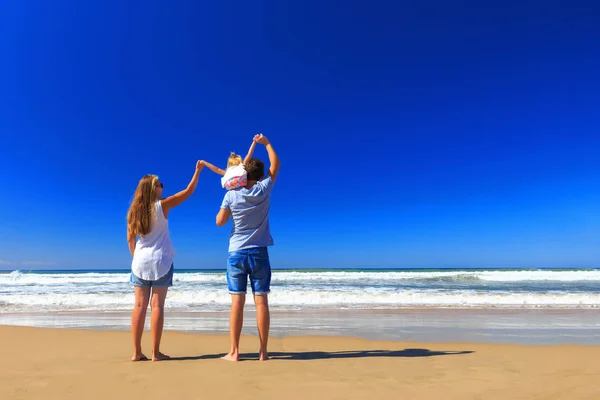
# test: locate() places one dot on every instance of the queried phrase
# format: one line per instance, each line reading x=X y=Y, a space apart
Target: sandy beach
x=83 y=364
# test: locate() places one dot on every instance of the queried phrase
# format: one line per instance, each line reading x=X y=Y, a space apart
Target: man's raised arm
x=273 y=158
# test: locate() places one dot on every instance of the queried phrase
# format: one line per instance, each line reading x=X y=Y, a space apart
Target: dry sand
x=76 y=364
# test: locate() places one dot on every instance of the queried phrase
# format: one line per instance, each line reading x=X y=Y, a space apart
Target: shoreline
x=72 y=364
x=516 y=326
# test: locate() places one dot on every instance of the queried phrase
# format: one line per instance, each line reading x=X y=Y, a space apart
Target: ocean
x=206 y=290
x=390 y=303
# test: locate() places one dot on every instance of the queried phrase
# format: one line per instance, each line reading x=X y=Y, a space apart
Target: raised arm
x=273 y=158
x=213 y=168
x=250 y=152
x=178 y=198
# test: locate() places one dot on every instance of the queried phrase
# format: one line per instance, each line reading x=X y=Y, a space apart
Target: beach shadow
x=325 y=355
x=202 y=357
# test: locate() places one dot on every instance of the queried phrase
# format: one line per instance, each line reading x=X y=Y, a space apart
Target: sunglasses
x=160 y=184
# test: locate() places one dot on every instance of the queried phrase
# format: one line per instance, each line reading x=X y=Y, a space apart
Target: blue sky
x=410 y=135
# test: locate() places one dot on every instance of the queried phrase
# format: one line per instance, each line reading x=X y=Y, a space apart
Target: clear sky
x=411 y=134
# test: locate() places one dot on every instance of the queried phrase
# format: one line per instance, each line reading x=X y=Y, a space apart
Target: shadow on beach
x=325 y=355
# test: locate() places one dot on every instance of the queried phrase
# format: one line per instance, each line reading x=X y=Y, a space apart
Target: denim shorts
x=165 y=281
x=253 y=262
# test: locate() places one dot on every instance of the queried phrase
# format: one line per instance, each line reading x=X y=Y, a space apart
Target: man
x=248 y=255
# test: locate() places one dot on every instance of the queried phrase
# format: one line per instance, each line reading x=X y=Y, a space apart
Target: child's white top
x=154 y=253
x=233 y=172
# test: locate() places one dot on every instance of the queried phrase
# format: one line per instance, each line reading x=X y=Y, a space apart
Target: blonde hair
x=234 y=159
x=141 y=210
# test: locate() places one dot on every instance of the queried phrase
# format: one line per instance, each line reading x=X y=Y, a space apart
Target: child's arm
x=214 y=169
x=250 y=152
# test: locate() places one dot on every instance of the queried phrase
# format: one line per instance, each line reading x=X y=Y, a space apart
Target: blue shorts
x=253 y=262
x=165 y=281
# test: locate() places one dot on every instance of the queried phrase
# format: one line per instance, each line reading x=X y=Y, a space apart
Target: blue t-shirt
x=250 y=215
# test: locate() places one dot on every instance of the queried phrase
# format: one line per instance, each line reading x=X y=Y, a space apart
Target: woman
x=153 y=253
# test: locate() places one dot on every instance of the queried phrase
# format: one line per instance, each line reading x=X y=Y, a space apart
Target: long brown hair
x=141 y=211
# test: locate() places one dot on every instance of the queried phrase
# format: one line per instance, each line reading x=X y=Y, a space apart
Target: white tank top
x=154 y=253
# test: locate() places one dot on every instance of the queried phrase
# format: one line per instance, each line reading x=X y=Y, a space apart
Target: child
x=235 y=175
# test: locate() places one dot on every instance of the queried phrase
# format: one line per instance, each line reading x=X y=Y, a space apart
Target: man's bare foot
x=158 y=356
x=139 y=357
x=263 y=356
x=231 y=357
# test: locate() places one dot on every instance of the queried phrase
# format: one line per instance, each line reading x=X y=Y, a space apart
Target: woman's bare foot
x=263 y=356
x=139 y=357
x=231 y=357
x=158 y=356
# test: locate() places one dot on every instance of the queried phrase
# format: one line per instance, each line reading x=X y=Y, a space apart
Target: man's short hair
x=255 y=169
